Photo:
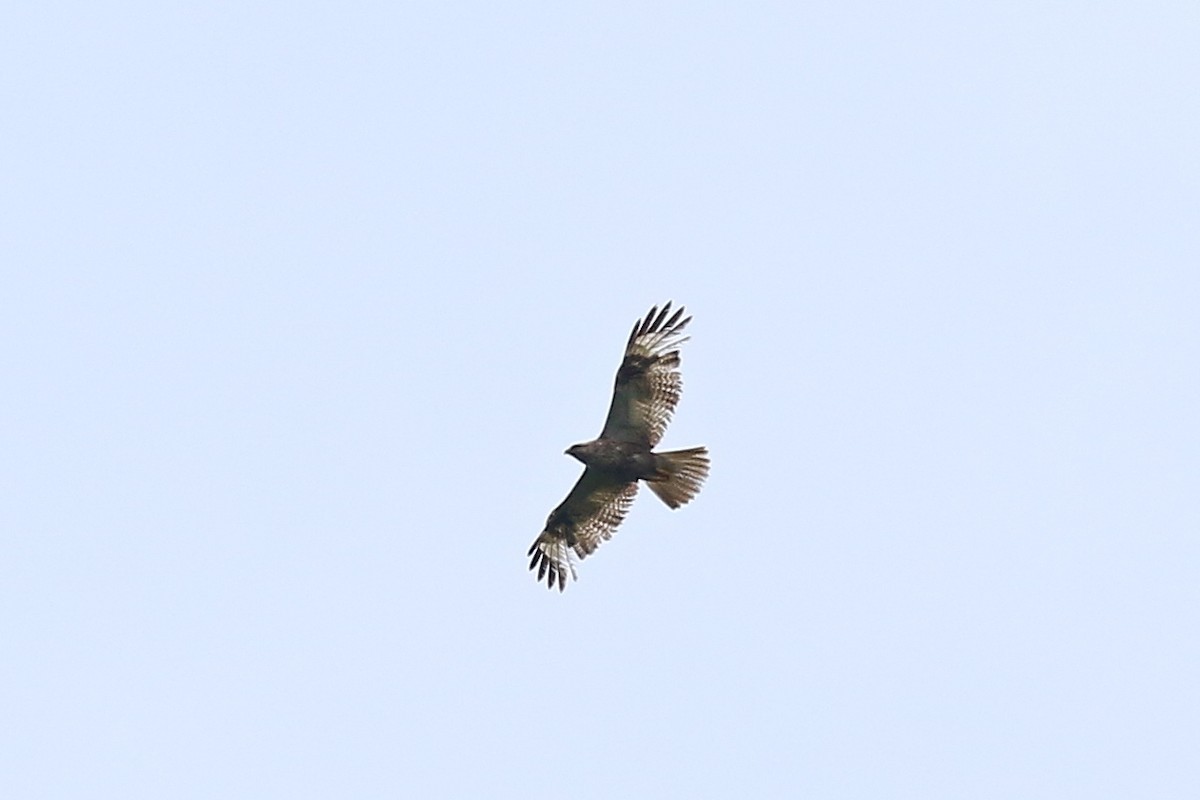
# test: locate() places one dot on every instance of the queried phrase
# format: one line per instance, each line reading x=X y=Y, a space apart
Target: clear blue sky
x=303 y=303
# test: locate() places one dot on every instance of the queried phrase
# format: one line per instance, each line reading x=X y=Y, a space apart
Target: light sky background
x=302 y=304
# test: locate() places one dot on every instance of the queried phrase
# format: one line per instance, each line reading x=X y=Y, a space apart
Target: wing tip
x=660 y=320
x=549 y=569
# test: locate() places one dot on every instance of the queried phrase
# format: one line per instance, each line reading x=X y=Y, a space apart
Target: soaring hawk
x=647 y=390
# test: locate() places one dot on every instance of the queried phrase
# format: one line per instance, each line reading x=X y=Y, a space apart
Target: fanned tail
x=680 y=475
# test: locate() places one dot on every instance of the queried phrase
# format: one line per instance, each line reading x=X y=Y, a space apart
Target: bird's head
x=576 y=450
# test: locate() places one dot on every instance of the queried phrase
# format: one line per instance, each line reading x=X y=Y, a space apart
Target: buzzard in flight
x=644 y=398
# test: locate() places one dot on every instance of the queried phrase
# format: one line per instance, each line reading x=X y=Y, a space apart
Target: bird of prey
x=647 y=390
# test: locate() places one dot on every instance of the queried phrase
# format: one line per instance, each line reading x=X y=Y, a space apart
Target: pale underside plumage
x=646 y=392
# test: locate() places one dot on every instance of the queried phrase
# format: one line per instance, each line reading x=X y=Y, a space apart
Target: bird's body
x=627 y=461
x=647 y=390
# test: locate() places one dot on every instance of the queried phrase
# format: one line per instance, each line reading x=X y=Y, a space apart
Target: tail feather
x=680 y=475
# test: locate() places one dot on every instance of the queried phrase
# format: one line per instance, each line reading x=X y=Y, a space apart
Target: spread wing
x=589 y=516
x=648 y=382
